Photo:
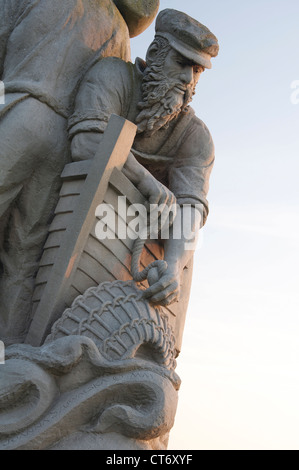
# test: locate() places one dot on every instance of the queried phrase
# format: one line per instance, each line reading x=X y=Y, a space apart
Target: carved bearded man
x=46 y=46
x=172 y=144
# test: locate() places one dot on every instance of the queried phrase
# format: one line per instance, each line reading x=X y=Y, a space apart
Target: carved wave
x=67 y=385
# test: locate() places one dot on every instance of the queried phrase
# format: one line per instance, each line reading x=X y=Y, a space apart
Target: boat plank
x=82 y=282
x=66 y=204
x=43 y=274
x=72 y=187
x=112 y=261
x=49 y=256
x=61 y=221
x=54 y=239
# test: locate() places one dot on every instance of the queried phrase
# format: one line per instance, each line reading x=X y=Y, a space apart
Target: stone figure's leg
x=33 y=152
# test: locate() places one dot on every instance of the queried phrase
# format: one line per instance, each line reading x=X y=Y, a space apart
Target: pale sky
x=240 y=354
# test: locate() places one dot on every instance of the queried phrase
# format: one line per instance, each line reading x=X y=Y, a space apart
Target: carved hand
x=84 y=145
x=164 y=289
x=154 y=191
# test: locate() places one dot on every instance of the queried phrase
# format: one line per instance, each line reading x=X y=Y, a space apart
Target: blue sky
x=239 y=361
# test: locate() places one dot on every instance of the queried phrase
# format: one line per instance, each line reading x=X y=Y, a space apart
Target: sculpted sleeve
x=105 y=90
x=192 y=166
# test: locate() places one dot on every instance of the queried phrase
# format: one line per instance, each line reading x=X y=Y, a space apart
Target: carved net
x=121 y=323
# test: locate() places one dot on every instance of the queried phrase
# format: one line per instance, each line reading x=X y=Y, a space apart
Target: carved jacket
x=180 y=156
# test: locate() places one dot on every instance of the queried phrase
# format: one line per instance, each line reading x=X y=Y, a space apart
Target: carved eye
x=198 y=69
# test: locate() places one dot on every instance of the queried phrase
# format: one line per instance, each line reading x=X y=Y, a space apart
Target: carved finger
x=163 y=295
x=164 y=197
x=155 y=196
x=174 y=297
x=158 y=286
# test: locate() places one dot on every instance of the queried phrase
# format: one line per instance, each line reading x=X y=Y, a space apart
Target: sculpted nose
x=187 y=75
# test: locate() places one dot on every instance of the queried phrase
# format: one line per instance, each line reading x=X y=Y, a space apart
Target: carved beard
x=161 y=102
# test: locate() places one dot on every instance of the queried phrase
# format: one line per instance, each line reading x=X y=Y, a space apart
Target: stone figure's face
x=168 y=86
x=180 y=69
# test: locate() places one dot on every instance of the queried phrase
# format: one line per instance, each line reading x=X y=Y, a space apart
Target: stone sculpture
x=96 y=327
